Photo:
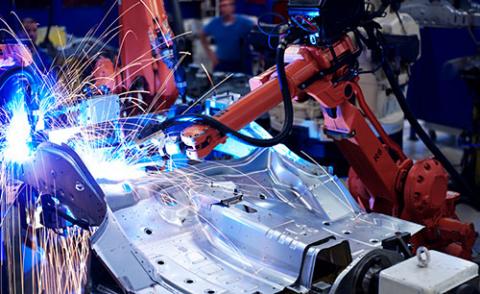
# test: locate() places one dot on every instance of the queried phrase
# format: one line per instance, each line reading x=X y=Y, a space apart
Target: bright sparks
x=18 y=137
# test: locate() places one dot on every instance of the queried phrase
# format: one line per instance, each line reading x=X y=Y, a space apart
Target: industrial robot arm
x=148 y=55
x=145 y=28
x=328 y=73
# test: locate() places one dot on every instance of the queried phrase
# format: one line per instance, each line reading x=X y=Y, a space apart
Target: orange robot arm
x=343 y=120
x=148 y=57
x=140 y=23
x=395 y=186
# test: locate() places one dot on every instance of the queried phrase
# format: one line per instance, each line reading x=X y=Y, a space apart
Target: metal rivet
x=79 y=187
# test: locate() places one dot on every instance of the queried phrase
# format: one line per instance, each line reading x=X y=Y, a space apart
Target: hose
x=224 y=129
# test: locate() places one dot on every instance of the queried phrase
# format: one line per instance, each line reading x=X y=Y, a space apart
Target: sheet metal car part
x=256 y=225
x=59 y=172
x=260 y=224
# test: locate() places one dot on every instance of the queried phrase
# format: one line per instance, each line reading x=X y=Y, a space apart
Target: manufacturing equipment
x=264 y=221
x=323 y=65
x=445 y=71
x=267 y=223
x=403 y=37
x=149 y=60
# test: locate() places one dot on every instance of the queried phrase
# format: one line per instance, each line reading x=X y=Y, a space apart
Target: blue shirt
x=231 y=39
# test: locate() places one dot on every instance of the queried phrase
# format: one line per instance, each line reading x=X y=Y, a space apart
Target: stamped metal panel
x=210 y=229
x=240 y=226
x=58 y=171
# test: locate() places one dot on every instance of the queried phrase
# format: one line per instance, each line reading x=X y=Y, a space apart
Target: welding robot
x=404 y=49
x=20 y=83
x=322 y=64
x=20 y=93
x=150 y=61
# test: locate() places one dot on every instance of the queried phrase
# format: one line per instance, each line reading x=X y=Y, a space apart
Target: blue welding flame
x=19 y=102
x=18 y=138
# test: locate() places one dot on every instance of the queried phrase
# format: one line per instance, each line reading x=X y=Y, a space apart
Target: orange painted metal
x=105 y=74
x=139 y=21
x=142 y=71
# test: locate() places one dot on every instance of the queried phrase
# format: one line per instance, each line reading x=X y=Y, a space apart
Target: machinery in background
x=323 y=65
x=443 y=13
x=403 y=37
x=149 y=69
x=468 y=69
x=445 y=73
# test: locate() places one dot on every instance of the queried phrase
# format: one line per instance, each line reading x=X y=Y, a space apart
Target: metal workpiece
x=264 y=223
x=261 y=224
x=440 y=13
x=57 y=172
x=104 y=108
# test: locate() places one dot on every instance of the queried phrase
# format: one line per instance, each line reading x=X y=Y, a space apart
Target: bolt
x=427 y=166
x=420 y=179
x=79 y=187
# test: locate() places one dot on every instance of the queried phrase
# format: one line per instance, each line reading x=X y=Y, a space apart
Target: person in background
x=41 y=59
x=230 y=34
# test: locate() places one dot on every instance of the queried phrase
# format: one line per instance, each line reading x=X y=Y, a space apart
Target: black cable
x=401 y=22
x=210 y=121
x=271 y=32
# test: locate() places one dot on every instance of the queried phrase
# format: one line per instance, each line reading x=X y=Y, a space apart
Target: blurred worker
x=230 y=34
x=41 y=59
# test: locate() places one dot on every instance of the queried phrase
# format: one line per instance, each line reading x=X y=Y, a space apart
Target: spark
x=38 y=259
x=18 y=137
x=59 y=261
x=103 y=166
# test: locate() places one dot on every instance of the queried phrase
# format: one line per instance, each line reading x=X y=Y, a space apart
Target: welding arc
x=437 y=153
x=287 y=103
